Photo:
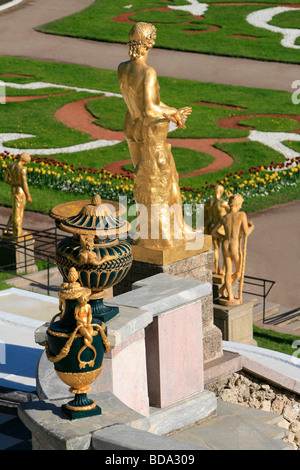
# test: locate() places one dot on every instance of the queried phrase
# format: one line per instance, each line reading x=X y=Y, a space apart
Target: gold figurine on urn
x=76 y=346
x=91 y=260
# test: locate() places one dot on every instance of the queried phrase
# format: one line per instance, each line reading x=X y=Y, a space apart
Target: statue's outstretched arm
x=159 y=109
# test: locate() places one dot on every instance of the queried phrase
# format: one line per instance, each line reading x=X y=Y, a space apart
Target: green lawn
x=206 y=122
x=218 y=33
x=274 y=340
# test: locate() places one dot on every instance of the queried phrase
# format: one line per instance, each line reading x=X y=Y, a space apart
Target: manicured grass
x=288 y=19
x=207 y=121
x=43 y=198
x=218 y=33
x=3 y=278
x=275 y=341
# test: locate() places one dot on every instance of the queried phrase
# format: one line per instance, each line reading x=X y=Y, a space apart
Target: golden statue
x=156 y=184
x=83 y=316
x=216 y=208
x=87 y=255
x=236 y=227
x=16 y=177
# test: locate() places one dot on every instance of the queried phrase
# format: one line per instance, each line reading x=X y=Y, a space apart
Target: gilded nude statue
x=236 y=227
x=16 y=177
x=156 y=182
x=216 y=208
x=83 y=317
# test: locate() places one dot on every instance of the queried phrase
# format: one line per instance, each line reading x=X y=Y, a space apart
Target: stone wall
x=244 y=389
x=197 y=267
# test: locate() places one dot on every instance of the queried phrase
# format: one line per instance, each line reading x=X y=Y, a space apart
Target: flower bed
x=256 y=181
x=44 y=171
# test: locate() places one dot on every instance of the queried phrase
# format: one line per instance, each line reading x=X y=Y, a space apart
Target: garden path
x=19 y=39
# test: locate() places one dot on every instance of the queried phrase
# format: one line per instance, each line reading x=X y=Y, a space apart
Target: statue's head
x=141 y=38
x=85 y=297
x=25 y=158
x=219 y=190
x=236 y=200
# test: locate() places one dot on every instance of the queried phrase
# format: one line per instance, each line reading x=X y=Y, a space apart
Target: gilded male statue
x=236 y=226
x=16 y=177
x=146 y=128
x=216 y=208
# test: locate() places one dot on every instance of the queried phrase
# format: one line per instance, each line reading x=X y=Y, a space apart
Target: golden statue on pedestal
x=236 y=227
x=16 y=177
x=156 y=184
x=216 y=208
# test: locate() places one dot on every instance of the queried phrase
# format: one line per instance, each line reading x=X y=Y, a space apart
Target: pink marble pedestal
x=174 y=355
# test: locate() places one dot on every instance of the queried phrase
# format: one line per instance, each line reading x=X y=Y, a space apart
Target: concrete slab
x=164 y=297
x=276 y=367
x=21 y=313
x=46 y=421
x=236 y=428
x=26 y=304
x=122 y=437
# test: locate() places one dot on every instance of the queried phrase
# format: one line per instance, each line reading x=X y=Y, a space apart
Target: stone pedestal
x=174 y=355
x=192 y=264
x=156 y=358
x=235 y=322
x=17 y=254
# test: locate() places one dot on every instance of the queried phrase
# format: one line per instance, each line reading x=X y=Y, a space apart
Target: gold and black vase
x=96 y=249
x=76 y=346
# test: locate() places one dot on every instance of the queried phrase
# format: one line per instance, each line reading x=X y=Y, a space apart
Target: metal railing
x=44 y=250
x=264 y=284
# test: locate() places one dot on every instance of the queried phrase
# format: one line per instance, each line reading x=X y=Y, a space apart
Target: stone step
x=271 y=309
x=237 y=427
x=285 y=320
x=286 y=315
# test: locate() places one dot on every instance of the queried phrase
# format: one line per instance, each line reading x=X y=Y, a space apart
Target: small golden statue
x=216 y=208
x=16 y=177
x=76 y=346
x=156 y=183
x=236 y=227
x=83 y=316
x=87 y=255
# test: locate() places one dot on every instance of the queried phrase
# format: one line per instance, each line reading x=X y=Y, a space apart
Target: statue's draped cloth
x=156 y=186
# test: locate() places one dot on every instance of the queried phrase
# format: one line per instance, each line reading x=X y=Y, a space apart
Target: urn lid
x=96 y=218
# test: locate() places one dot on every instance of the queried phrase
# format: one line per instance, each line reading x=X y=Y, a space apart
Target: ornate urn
x=101 y=258
x=76 y=346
